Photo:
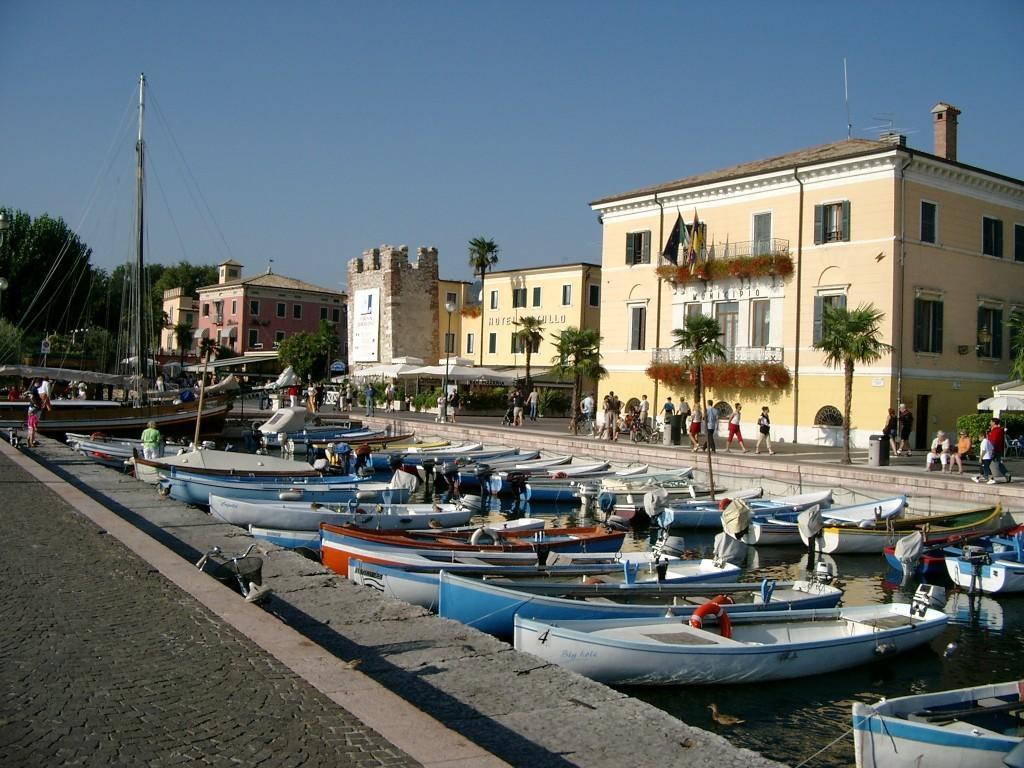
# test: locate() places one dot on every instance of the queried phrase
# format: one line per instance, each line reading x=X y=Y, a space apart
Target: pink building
x=255 y=314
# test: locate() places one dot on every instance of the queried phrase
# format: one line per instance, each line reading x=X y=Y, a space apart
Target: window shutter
x=981 y=324
x=937 y=319
x=646 y=238
x=846 y=221
x=818 y=304
x=998 y=251
x=997 y=333
x=819 y=225
x=840 y=301
x=919 y=342
x=629 y=249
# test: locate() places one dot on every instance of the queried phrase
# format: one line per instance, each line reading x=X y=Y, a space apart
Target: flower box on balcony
x=472 y=310
x=757 y=375
x=742 y=267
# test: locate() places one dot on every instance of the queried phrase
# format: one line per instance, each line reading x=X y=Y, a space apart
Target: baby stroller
x=510 y=416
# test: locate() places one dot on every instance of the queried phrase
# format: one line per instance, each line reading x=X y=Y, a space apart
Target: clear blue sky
x=316 y=130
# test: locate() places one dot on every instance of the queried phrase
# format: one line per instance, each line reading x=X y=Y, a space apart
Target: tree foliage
x=529 y=331
x=850 y=337
x=1016 y=325
x=700 y=337
x=483 y=254
x=577 y=357
x=310 y=354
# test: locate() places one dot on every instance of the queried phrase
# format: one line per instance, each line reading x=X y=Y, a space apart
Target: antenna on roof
x=846 y=101
x=270 y=266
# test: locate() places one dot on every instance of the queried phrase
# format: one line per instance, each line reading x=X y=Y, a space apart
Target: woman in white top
x=734 y=430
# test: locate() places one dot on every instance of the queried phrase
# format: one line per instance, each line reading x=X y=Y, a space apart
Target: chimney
x=944 y=121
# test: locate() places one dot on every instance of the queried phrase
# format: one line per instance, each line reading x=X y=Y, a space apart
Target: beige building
x=179 y=309
x=935 y=244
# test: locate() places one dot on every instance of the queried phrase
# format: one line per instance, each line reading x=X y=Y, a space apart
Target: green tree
x=848 y=338
x=483 y=254
x=10 y=342
x=183 y=338
x=1016 y=325
x=577 y=357
x=529 y=334
x=310 y=354
x=699 y=337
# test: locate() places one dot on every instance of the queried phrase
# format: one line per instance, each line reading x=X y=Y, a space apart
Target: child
x=985 y=451
x=32 y=424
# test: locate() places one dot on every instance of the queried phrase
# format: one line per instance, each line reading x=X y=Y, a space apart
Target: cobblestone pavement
x=104 y=662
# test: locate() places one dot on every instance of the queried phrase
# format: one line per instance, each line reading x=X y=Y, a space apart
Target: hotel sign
x=551 y=319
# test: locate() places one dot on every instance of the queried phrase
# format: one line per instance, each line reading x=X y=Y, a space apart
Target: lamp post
x=5 y=224
x=449 y=307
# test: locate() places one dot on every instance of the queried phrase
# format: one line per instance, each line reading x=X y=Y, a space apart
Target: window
x=494 y=299
x=518 y=297
x=929 y=212
x=536 y=296
x=637 y=327
x=694 y=310
x=828 y=416
x=992 y=237
x=566 y=295
x=297 y=311
x=254 y=337
x=928 y=324
x=234 y=306
x=760 y=322
x=254 y=307
x=449 y=343
x=189 y=319
x=820 y=302
x=638 y=247
x=336 y=315
x=280 y=309
x=451 y=297
x=279 y=336
x=470 y=343
x=206 y=310
x=990 y=332
x=728 y=315
x=594 y=295
x=323 y=313
x=832 y=222
x=762 y=233
x=1018 y=242
x=492 y=343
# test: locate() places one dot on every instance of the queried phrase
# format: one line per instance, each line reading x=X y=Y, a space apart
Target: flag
x=695 y=242
x=671 y=251
x=726 y=254
x=709 y=252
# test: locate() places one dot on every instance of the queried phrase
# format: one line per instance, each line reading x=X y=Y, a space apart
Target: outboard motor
x=517 y=484
x=927 y=596
x=672 y=545
x=450 y=472
x=427 y=467
x=395 y=461
x=483 y=474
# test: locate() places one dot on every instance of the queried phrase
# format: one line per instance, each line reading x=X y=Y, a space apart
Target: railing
x=257 y=346
x=744 y=248
x=678 y=355
x=218 y=319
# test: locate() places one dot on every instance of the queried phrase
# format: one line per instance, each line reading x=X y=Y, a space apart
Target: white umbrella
x=1001 y=403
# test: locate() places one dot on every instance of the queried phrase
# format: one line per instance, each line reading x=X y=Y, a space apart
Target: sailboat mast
x=140 y=288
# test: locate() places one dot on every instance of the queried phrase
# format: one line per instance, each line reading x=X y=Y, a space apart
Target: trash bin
x=666 y=432
x=677 y=428
x=878 y=451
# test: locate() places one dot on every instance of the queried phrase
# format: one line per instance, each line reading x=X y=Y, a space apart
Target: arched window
x=724 y=410
x=828 y=416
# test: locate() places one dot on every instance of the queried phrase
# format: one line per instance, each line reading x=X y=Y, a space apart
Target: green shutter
x=978 y=327
x=819 y=224
x=629 y=249
x=840 y=301
x=937 y=320
x=646 y=237
x=998 y=245
x=818 y=303
x=918 y=325
x=846 y=221
x=997 y=333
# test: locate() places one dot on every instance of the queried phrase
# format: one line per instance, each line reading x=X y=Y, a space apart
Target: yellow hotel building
x=559 y=296
x=935 y=244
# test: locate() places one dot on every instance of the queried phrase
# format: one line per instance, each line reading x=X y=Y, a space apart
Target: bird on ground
x=722 y=718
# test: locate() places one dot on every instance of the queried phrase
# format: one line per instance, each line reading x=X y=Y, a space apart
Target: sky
x=308 y=132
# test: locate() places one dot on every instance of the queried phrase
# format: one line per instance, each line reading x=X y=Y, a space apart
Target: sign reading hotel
x=550 y=319
x=366 y=326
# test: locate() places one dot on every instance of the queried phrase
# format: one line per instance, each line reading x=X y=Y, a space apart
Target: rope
x=831 y=744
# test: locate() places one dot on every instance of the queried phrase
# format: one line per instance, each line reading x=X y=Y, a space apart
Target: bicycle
x=243 y=573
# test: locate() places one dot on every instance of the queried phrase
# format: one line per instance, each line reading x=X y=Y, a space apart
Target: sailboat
x=112 y=417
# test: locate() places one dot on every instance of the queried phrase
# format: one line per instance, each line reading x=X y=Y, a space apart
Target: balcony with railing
x=744 y=260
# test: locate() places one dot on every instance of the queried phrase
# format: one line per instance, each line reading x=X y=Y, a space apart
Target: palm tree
x=1016 y=324
x=529 y=335
x=699 y=336
x=850 y=337
x=483 y=254
x=577 y=356
x=183 y=338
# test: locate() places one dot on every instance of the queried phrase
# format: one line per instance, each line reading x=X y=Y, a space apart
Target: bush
x=426 y=400
x=977 y=423
x=554 y=402
x=486 y=399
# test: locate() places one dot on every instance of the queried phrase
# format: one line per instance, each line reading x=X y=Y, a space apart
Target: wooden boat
x=208 y=461
x=708 y=514
x=303 y=516
x=286 y=539
x=975 y=727
x=418 y=582
x=993 y=566
x=762 y=646
x=490 y=605
x=911 y=555
x=872 y=537
x=376 y=438
x=772 y=530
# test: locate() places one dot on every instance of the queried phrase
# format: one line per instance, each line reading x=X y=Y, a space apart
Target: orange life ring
x=713 y=608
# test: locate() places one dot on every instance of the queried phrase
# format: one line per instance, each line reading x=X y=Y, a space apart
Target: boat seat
x=681 y=638
x=885 y=622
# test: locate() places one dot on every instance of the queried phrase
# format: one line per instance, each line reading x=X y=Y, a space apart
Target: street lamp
x=449 y=307
x=5 y=224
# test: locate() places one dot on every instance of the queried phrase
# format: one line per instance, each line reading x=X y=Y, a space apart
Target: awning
x=201 y=333
x=61 y=374
x=229 y=333
x=235 y=362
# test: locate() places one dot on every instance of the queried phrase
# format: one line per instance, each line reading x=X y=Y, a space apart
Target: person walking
x=645 y=410
x=890 y=430
x=533 y=401
x=997 y=436
x=696 y=425
x=734 y=429
x=906 y=422
x=368 y=395
x=711 y=422
x=151 y=439
x=985 y=450
x=764 y=428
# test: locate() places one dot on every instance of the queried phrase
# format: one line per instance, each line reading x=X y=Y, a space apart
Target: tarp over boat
x=63 y=374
